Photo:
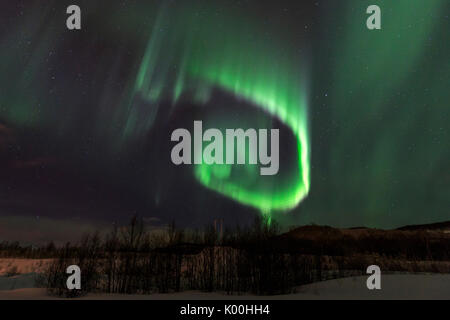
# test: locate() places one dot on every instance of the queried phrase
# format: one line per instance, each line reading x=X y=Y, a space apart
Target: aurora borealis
x=248 y=69
x=86 y=116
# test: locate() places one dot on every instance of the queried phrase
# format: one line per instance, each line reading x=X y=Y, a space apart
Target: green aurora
x=369 y=110
x=244 y=65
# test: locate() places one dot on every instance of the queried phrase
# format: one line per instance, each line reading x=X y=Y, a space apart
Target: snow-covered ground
x=393 y=286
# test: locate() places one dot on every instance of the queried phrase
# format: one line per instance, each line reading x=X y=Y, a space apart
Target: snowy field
x=393 y=286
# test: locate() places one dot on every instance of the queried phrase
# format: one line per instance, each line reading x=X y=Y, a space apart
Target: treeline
x=254 y=259
x=16 y=250
x=420 y=245
x=131 y=260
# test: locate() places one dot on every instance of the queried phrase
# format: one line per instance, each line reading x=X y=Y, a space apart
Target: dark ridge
x=314 y=232
x=432 y=226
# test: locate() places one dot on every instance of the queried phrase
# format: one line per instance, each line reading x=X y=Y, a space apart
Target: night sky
x=86 y=116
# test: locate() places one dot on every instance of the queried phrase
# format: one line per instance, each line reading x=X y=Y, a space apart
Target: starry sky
x=86 y=116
